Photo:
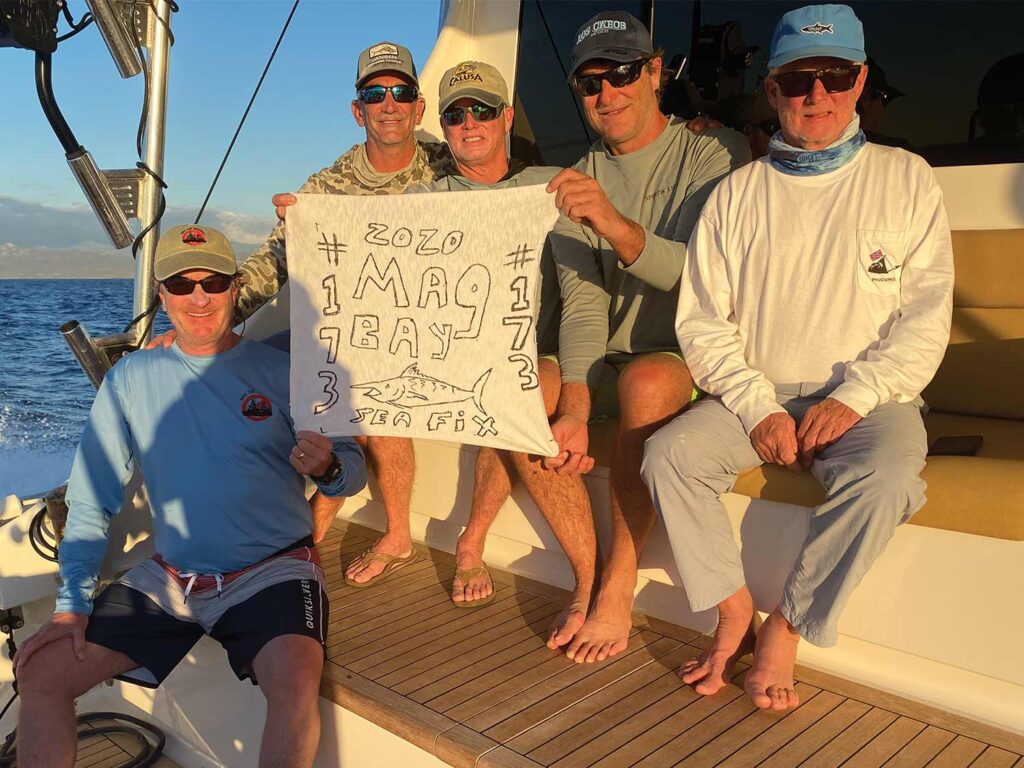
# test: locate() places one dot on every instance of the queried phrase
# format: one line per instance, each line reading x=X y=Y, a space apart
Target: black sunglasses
x=375 y=94
x=179 y=285
x=482 y=113
x=619 y=77
x=800 y=82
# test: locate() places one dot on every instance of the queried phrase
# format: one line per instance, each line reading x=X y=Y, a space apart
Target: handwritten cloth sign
x=415 y=315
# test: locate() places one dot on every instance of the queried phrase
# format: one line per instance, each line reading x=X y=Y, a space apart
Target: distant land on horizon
x=78 y=263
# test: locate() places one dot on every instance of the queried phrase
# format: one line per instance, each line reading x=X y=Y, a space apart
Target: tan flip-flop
x=391 y=564
x=464 y=575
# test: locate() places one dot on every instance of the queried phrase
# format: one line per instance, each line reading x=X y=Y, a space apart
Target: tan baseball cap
x=472 y=80
x=385 y=57
x=191 y=246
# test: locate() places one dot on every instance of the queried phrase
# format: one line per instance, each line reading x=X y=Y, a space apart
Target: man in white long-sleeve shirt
x=815 y=307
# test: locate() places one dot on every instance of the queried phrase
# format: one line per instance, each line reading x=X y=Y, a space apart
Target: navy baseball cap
x=615 y=35
x=817 y=30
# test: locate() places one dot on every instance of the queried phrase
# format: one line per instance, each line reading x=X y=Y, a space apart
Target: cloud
x=240 y=228
x=52 y=241
x=28 y=224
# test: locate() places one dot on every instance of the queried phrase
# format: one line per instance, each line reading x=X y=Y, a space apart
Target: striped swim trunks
x=156 y=612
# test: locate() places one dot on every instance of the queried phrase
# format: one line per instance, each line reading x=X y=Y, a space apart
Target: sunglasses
x=619 y=77
x=375 y=94
x=800 y=82
x=179 y=285
x=482 y=113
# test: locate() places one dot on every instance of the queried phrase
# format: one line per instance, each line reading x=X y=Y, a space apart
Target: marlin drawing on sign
x=414 y=388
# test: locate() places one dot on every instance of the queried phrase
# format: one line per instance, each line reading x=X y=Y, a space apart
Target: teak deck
x=478 y=687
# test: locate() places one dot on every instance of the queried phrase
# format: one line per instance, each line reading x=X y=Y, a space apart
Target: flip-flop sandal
x=464 y=575
x=391 y=564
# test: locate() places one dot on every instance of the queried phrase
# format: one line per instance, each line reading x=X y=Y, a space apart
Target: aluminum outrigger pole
x=156 y=34
x=138 y=191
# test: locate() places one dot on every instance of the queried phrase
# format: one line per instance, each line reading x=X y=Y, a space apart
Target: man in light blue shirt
x=206 y=420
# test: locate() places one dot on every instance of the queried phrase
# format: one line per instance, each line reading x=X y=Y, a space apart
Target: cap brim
x=620 y=55
x=386 y=68
x=485 y=97
x=847 y=54
x=190 y=260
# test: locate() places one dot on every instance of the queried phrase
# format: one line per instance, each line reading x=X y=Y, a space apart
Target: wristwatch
x=332 y=473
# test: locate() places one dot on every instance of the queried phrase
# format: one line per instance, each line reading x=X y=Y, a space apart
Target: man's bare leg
x=48 y=686
x=492 y=484
x=769 y=683
x=394 y=463
x=566 y=506
x=734 y=637
x=564 y=502
x=288 y=669
x=653 y=390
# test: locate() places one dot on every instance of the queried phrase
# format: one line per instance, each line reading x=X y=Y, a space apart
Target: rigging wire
x=241 y=122
x=565 y=75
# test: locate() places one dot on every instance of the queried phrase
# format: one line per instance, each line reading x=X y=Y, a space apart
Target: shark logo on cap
x=817 y=28
x=193 y=236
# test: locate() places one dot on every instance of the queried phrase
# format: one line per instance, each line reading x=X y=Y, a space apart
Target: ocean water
x=44 y=396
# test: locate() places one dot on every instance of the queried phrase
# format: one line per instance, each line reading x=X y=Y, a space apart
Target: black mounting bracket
x=29 y=24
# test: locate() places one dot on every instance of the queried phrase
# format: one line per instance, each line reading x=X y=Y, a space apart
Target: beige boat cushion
x=980 y=374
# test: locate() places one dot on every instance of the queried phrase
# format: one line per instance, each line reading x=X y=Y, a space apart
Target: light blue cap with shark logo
x=817 y=30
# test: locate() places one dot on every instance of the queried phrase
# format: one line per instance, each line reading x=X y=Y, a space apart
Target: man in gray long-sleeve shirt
x=628 y=206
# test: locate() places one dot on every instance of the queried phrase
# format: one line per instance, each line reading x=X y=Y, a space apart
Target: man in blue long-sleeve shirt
x=206 y=420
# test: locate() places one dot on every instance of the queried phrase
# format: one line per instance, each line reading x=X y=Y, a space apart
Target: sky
x=300 y=123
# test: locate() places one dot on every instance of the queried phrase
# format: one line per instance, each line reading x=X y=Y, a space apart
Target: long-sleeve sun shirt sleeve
x=660 y=263
x=102 y=467
x=583 y=332
x=353 y=469
x=709 y=337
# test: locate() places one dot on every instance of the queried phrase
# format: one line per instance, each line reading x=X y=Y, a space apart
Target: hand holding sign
x=416 y=315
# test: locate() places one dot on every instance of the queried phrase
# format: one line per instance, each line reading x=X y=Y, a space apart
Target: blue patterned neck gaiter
x=801 y=162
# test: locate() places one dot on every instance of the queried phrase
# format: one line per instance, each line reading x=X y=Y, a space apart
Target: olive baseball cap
x=472 y=80
x=191 y=246
x=385 y=57
x=614 y=35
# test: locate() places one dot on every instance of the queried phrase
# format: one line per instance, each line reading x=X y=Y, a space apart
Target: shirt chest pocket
x=880 y=256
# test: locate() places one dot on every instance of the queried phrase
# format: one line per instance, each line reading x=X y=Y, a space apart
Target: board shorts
x=155 y=613
x=605 y=404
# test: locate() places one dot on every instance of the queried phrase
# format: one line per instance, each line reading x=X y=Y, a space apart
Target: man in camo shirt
x=388 y=105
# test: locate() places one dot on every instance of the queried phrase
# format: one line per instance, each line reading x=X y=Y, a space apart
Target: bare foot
x=361 y=570
x=569 y=621
x=769 y=683
x=734 y=637
x=606 y=630
x=479 y=585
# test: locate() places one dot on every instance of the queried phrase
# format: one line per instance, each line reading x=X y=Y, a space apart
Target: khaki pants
x=871 y=477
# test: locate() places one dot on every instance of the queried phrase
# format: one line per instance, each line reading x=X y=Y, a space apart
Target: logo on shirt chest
x=881 y=264
x=256 y=407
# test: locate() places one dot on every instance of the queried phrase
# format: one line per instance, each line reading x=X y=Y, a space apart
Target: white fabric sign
x=415 y=315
